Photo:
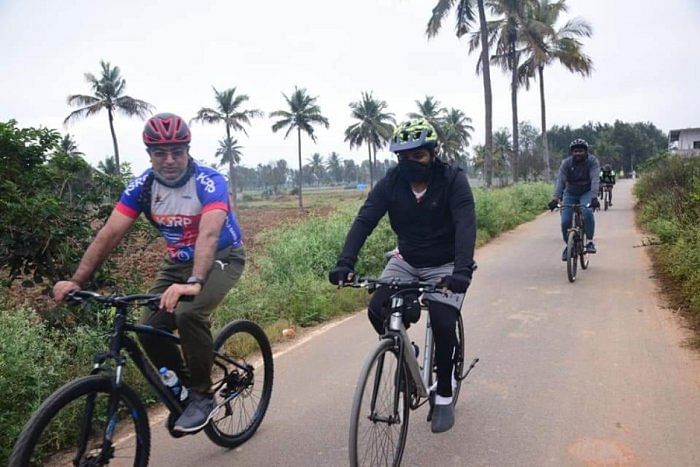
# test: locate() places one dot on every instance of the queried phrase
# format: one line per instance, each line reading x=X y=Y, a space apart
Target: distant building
x=685 y=141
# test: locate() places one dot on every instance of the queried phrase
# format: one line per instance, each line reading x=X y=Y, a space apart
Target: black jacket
x=439 y=229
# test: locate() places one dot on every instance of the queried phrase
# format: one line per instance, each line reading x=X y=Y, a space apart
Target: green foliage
x=622 y=144
x=48 y=204
x=669 y=206
x=502 y=209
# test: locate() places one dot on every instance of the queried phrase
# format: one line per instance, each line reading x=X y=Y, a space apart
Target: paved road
x=591 y=373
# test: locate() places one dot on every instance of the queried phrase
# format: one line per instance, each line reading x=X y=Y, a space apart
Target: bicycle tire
x=234 y=340
x=583 y=259
x=28 y=449
x=365 y=381
x=458 y=359
x=571 y=256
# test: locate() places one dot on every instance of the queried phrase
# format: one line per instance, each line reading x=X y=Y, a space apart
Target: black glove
x=458 y=283
x=553 y=204
x=595 y=204
x=340 y=273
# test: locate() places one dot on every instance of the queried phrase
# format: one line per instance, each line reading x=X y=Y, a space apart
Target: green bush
x=669 y=206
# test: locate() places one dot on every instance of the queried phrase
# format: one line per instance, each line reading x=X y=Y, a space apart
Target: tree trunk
x=374 y=167
x=301 y=171
x=231 y=171
x=486 y=73
x=371 y=172
x=514 y=104
x=114 y=141
x=545 y=143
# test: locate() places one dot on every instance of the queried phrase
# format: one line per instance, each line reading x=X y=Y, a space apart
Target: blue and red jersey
x=176 y=212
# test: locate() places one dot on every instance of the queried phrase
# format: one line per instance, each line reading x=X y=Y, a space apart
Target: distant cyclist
x=431 y=210
x=607 y=179
x=577 y=182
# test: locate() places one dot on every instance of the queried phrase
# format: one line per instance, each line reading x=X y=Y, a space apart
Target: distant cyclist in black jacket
x=431 y=210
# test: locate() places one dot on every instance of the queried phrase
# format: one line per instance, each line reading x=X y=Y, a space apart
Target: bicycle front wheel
x=380 y=409
x=458 y=360
x=242 y=375
x=75 y=426
x=571 y=256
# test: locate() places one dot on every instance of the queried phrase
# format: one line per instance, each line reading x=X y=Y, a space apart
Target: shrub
x=669 y=206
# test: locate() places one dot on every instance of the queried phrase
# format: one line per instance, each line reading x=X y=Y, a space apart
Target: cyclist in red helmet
x=188 y=203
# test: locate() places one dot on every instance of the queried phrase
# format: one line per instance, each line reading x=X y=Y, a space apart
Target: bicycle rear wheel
x=571 y=256
x=75 y=422
x=244 y=388
x=380 y=410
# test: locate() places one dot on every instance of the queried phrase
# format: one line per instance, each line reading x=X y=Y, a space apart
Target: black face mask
x=414 y=171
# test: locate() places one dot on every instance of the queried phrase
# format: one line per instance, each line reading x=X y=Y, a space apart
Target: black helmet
x=607 y=168
x=578 y=143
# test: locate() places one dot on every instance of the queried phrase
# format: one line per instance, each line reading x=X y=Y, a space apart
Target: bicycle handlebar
x=77 y=296
x=393 y=283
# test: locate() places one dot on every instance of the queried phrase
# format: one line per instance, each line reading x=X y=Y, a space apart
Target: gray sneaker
x=443 y=418
x=196 y=414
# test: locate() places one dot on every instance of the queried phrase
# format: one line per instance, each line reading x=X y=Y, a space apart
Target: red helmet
x=166 y=128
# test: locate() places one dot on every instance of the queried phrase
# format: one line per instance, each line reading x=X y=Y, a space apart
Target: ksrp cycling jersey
x=176 y=212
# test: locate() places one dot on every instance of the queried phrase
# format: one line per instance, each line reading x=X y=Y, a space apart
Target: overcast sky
x=646 y=56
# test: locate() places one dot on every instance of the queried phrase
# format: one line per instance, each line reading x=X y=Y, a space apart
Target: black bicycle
x=100 y=419
x=392 y=382
x=576 y=242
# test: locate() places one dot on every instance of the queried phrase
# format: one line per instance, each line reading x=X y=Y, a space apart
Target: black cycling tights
x=443 y=319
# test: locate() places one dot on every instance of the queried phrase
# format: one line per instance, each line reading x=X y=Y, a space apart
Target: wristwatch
x=195 y=280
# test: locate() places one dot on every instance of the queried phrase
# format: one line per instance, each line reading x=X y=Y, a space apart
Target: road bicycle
x=392 y=381
x=100 y=419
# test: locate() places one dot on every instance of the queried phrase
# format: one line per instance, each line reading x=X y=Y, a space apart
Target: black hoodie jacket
x=438 y=229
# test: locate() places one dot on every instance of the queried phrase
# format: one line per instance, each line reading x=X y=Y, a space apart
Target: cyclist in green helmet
x=431 y=210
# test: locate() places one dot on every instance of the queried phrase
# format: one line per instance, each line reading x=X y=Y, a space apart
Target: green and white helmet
x=413 y=134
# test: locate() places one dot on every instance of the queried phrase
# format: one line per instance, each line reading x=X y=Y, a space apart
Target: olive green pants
x=191 y=319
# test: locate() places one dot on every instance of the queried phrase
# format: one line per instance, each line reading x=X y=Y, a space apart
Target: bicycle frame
x=121 y=340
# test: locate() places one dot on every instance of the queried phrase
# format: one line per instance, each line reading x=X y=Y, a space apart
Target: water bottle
x=170 y=379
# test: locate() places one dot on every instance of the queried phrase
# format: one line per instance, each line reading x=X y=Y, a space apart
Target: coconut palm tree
x=108 y=166
x=229 y=112
x=317 y=167
x=303 y=113
x=334 y=165
x=108 y=92
x=375 y=127
x=457 y=130
x=430 y=110
x=68 y=146
x=507 y=32
x=229 y=152
x=464 y=12
x=544 y=45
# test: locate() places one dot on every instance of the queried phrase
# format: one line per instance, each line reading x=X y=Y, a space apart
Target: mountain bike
x=392 y=382
x=576 y=242
x=94 y=415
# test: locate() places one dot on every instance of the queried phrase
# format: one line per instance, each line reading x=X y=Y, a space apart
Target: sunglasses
x=162 y=153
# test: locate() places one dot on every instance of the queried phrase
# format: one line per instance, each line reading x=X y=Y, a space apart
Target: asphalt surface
x=590 y=373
